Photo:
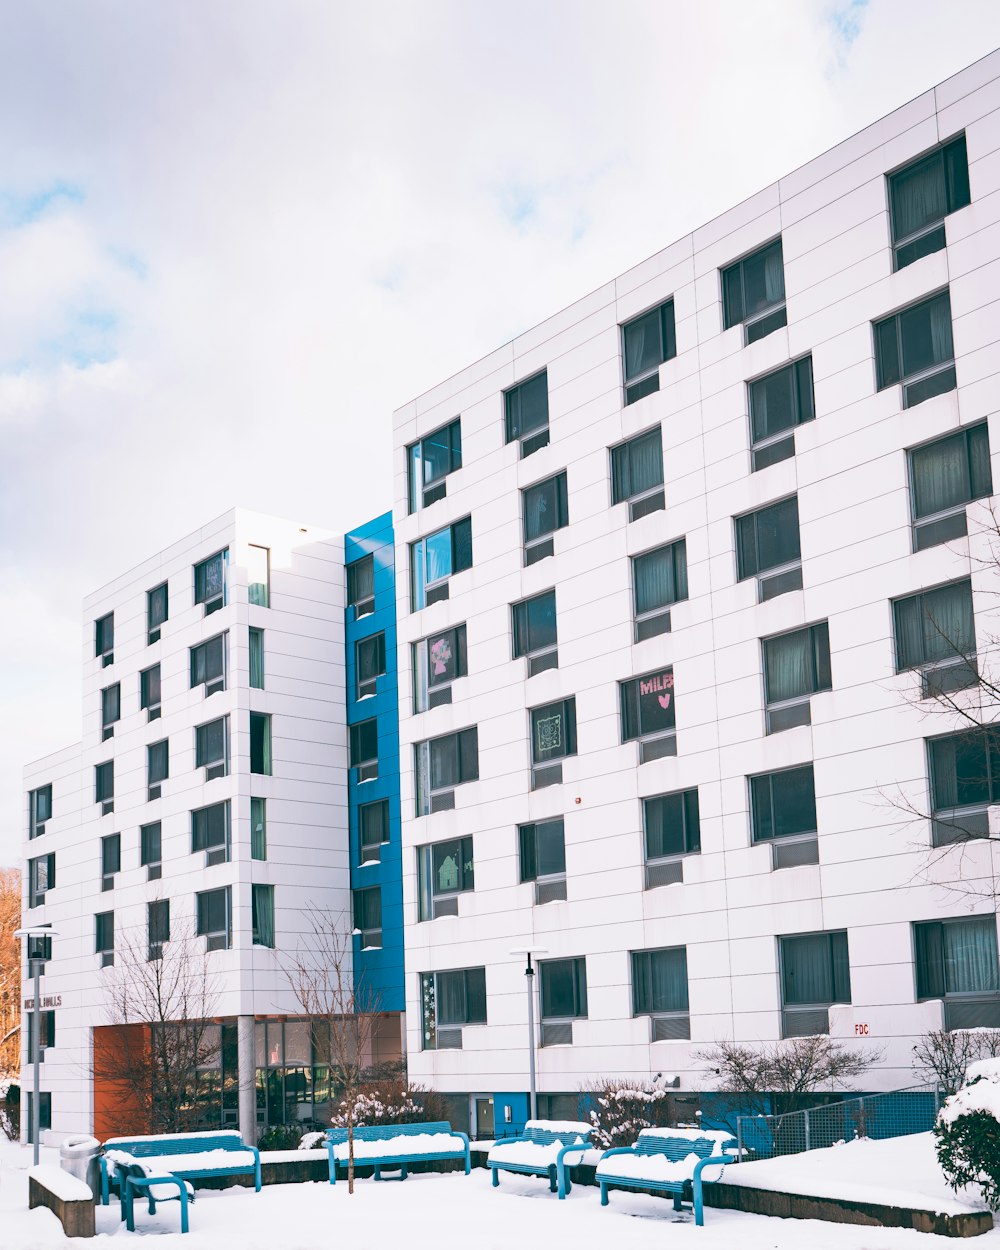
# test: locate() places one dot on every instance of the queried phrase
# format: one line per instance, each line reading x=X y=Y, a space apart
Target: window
x=767 y=542
x=660 y=990
x=39 y=810
x=210 y=832
x=208 y=665
x=212 y=748
x=111 y=709
x=637 y=474
x=442 y=764
x=796 y=665
x=214 y=910
x=437 y=661
x=659 y=579
x=936 y=632
x=368 y=917
x=104 y=937
x=150 y=850
x=156 y=613
x=111 y=859
x=210 y=582
x=956 y=960
x=564 y=998
x=260 y=743
x=373 y=830
x=430 y=461
x=364 y=749
x=783 y=812
x=256 y=637
x=444 y=870
x=44 y=1112
x=526 y=408
x=41 y=878
x=921 y=195
x=157 y=927
x=104 y=639
x=944 y=476
x=914 y=347
x=647 y=341
x=542 y=848
x=259 y=576
x=262 y=914
x=778 y=403
x=672 y=829
x=449 y=1001
x=369 y=664
x=104 y=786
x=435 y=558
x=815 y=973
x=46 y=1034
x=753 y=291
x=553 y=738
x=648 y=714
x=546 y=509
x=149 y=692
x=157 y=766
x=534 y=630
x=258 y=828
x=965 y=780
x=361 y=586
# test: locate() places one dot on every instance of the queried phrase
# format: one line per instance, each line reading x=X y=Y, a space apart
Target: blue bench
x=140 y=1180
x=170 y=1159
x=541 y=1150
x=676 y=1147
x=396 y=1153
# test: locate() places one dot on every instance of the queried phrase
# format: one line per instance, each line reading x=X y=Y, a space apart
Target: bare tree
x=10 y=973
x=160 y=1003
x=343 y=1008
x=944 y=1058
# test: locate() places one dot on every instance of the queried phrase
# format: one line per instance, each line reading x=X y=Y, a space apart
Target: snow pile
x=560 y=1126
x=649 y=1167
x=719 y=1136
x=534 y=1154
x=65 y=1186
x=983 y=1094
x=311 y=1141
x=405 y=1145
x=988 y=1068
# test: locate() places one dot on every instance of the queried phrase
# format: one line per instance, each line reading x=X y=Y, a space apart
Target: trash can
x=78 y=1155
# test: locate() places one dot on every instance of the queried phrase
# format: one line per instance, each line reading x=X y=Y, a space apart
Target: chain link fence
x=877 y=1116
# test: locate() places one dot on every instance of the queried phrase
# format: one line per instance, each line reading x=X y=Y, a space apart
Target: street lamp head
x=35 y=931
x=529 y=950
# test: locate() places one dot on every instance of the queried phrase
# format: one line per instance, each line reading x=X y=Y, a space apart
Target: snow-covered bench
x=157 y=1165
x=545 y=1148
x=669 y=1160
x=397 y=1145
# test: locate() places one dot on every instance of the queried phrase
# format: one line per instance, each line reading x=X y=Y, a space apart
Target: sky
x=235 y=235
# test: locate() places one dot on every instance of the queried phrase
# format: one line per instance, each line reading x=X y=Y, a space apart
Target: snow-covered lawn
x=428 y=1212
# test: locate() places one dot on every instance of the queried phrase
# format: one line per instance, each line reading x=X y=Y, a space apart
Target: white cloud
x=289 y=218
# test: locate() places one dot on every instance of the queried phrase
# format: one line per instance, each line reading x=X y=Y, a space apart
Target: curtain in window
x=789 y=667
x=258 y=830
x=541 y=509
x=257 y=659
x=948 y=624
x=550 y=849
x=807 y=970
x=475 y=995
x=960 y=767
x=777 y=532
x=655 y=583
x=643 y=347
x=940 y=475
x=646 y=462
x=918 y=197
x=772 y=403
x=451 y=998
x=668 y=980
x=774 y=275
x=263 y=914
x=940 y=322
x=444 y=762
x=970 y=956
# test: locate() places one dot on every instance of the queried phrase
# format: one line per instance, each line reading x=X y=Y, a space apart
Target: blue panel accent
x=381 y=969
x=518 y=1104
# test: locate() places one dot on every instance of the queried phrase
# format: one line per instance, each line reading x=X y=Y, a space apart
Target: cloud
x=234 y=237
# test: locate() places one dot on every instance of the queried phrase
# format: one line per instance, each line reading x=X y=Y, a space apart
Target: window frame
x=199 y=657
x=260 y=891
x=548 y=771
x=781 y=714
x=926 y=374
x=433 y=902
x=755 y=326
x=36 y=825
x=104 y=639
x=158 y=908
x=671 y=1022
x=214 y=766
x=258 y=838
x=255 y=641
x=104 y=937
x=772 y=579
x=36 y=894
x=369 y=687
x=939 y=675
x=153 y=863
x=780 y=445
x=543 y=543
x=925 y=988
x=152 y=707
x=366 y=846
x=667 y=330
x=262 y=754
x=578 y=965
x=548 y=886
x=153 y=627
x=800 y=1019
x=154 y=783
x=423 y=593
x=648 y=499
x=536 y=436
x=111 y=709
x=366 y=765
x=436 y=1034
x=667 y=868
x=362 y=603
x=963 y=821
x=933 y=520
x=430 y=798
x=656 y=742
x=218 y=849
x=428 y=694
x=260 y=598
x=369 y=935
x=103 y=795
x=657 y=620
x=422 y=491
x=203 y=927
x=805 y=842
x=211 y=600
x=545 y=655
x=936 y=154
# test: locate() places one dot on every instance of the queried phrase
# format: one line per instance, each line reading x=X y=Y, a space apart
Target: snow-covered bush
x=968 y=1133
x=388 y=1102
x=624 y=1108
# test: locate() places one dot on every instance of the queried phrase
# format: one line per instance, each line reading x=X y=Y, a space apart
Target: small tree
x=968 y=1138
x=943 y=1058
x=161 y=1036
x=344 y=1010
x=625 y=1108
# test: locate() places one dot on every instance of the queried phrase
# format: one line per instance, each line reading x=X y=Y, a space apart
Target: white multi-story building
x=680 y=570
x=207 y=799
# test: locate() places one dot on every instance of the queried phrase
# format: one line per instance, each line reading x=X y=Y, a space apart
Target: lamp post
x=25 y=935
x=529 y=973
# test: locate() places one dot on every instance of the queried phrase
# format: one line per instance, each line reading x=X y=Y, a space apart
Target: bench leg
x=184 y=1207
x=553 y=1183
x=127 y=1203
x=468 y=1162
x=604 y=1194
x=677 y=1202
x=496 y=1177
x=378 y=1173
x=404 y=1172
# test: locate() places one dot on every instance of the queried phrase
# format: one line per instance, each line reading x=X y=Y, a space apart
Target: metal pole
x=35 y=1040
x=529 y=973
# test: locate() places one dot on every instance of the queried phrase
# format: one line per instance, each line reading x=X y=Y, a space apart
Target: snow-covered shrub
x=388 y=1102
x=310 y=1141
x=624 y=1108
x=968 y=1133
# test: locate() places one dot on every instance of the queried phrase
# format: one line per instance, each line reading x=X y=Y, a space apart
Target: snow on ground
x=901 y=1171
x=433 y=1212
